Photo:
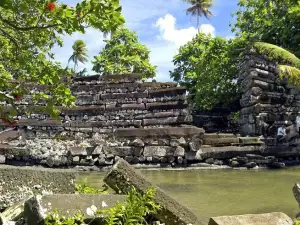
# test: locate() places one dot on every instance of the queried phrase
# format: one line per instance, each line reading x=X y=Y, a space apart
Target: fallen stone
x=36 y=208
x=160 y=151
x=179 y=151
x=277 y=165
x=220 y=141
x=229 y=151
x=195 y=144
x=276 y=218
x=193 y=156
x=251 y=165
x=122 y=177
x=296 y=192
x=2 y=159
x=137 y=143
x=17 y=183
x=12 y=213
x=210 y=161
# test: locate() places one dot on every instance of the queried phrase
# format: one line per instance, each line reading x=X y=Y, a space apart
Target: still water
x=225 y=192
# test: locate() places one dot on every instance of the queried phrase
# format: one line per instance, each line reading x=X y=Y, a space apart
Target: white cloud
x=169 y=32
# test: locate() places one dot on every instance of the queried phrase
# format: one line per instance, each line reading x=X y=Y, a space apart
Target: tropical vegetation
x=134 y=211
x=124 y=54
x=199 y=8
x=79 y=53
x=29 y=30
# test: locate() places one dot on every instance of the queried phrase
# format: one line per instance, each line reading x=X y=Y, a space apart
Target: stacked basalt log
x=267 y=100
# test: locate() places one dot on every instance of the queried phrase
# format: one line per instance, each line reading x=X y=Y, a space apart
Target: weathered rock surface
x=123 y=177
x=275 y=218
x=296 y=192
x=17 y=183
x=36 y=208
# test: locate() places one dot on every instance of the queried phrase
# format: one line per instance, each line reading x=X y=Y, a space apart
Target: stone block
x=227 y=152
x=167 y=92
x=193 y=156
x=160 y=151
x=66 y=204
x=133 y=106
x=167 y=120
x=296 y=192
x=165 y=105
x=195 y=143
x=276 y=218
x=123 y=150
x=220 y=141
x=17 y=182
x=122 y=177
x=160 y=132
x=179 y=151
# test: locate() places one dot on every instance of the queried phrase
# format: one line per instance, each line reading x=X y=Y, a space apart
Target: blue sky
x=162 y=25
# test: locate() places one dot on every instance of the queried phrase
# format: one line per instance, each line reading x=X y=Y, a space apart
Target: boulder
x=123 y=177
x=160 y=151
x=276 y=218
x=137 y=143
x=179 y=151
x=37 y=207
x=195 y=144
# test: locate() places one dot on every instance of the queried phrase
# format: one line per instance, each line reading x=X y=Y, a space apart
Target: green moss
x=291 y=73
x=297 y=222
x=277 y=54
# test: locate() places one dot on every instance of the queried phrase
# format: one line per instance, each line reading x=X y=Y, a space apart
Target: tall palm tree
x=199 y=8
x=79 y=53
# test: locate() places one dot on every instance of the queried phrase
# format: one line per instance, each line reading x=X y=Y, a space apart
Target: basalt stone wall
x=115 y=116
x=267 y=101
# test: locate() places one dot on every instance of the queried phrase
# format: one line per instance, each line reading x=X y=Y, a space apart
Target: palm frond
x=277 y=54
x=291 y=73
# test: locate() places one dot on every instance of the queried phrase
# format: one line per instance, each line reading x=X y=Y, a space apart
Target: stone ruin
x=150 y=123
x=268 y=102
x=115 y=116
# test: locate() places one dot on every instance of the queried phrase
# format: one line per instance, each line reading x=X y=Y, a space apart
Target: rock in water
x=296 y=191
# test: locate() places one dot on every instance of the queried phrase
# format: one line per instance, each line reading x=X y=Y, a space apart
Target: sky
x=162 y=25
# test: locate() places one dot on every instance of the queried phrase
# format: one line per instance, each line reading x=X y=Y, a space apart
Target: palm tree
x=199 y=8
x=79 y=53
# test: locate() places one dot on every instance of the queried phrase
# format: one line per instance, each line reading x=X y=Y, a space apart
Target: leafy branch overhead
x=124 y=54
x=29 y=29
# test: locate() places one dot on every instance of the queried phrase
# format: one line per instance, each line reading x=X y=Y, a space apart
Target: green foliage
x=79 y=53
x=134 y=211
x=273 y=21
x=297 y=222
x=84 y=188
x=29 y=29
x=277 y=54
x=55 y=219
x=207 y=66
x=124 y=54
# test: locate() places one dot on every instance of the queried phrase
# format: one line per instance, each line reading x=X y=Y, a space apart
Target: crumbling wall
x=267 y=101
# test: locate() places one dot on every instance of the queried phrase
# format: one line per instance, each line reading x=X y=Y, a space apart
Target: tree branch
x=26 y=28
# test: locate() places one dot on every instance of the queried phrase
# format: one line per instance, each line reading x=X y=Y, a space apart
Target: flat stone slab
x=160 y=132
x=122 y=177
x=276 y=218
x=229 y=151
x=36 y=208
x=18 y=183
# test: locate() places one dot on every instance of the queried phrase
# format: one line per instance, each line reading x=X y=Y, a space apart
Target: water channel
x=225 y=192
